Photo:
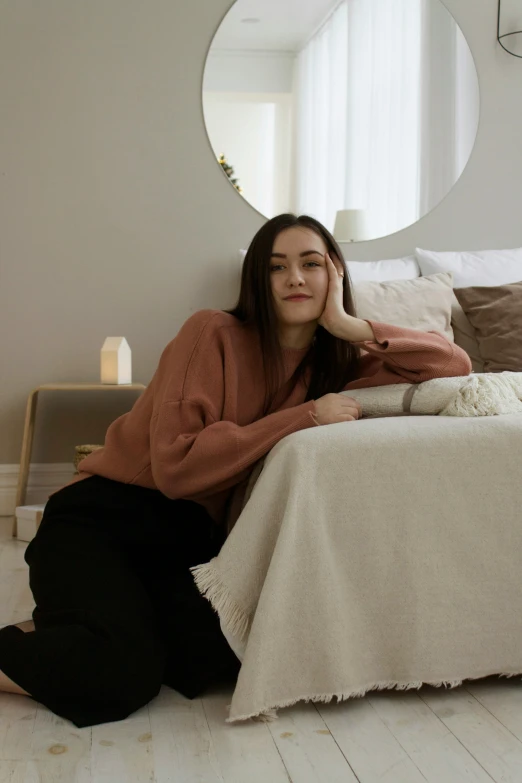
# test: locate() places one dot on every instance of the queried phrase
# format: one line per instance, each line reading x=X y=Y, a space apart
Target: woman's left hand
x=334 y=317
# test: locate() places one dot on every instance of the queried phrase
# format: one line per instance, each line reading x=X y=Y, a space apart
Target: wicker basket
x=82 y=452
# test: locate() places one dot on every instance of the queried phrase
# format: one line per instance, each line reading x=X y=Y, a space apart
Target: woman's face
x=298 y=266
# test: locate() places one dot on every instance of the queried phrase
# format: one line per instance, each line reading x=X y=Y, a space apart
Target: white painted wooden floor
x=472 y=734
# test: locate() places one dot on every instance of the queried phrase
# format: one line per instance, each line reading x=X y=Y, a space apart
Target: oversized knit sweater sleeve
x=403 y=355
x=193 y=451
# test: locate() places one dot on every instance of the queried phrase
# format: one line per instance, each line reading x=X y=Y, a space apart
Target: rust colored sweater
x=196 y=430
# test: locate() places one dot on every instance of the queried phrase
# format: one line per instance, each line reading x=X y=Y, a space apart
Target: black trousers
x=117 y=612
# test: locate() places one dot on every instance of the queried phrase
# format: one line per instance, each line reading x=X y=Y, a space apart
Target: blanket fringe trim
x=208 y=582
x=269 y=715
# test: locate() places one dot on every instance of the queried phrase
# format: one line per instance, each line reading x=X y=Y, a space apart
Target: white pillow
x=406 y=268
x=473 y=267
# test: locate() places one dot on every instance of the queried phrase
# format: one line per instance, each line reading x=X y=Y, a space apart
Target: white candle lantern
x=116 y=361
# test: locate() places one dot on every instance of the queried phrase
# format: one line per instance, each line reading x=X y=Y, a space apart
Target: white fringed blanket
x=380 y=553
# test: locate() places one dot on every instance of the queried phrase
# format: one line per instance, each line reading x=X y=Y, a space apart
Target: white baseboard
x=44 y=479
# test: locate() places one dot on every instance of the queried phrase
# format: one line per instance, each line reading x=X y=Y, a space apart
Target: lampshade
x=350 y=225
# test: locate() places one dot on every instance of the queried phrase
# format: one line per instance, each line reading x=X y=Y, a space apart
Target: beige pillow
x=495 y=312
x=423 y=303
x=465 y=335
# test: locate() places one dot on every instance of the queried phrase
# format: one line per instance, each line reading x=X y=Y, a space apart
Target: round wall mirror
x=361 y=113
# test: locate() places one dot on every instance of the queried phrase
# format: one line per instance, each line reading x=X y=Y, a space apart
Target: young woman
x=117 y=610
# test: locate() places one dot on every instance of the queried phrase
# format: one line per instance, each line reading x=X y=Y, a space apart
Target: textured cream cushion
x=423 y=303
x=465 y=335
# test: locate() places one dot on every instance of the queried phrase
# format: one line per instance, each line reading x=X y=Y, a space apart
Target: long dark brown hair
x=334 y=362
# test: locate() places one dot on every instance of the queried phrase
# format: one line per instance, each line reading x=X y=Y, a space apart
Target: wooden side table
x=30 y=417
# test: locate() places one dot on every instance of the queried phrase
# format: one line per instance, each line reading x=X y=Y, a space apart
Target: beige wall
x=115 y=219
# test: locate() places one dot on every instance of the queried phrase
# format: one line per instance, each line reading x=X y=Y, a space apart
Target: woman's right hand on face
x=332 y=408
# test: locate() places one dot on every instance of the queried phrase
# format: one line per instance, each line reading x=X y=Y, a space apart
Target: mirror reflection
x=361 y=113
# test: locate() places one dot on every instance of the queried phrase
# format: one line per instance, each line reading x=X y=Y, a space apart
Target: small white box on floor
x=28 y=519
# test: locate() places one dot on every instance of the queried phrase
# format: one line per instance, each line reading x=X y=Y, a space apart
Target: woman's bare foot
x=26 y=626
x=8 y=686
